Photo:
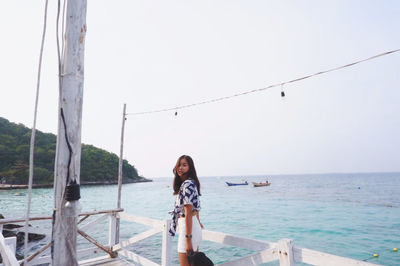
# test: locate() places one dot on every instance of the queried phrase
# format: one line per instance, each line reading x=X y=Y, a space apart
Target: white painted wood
x=285 y=252
x=93 y=260
x=166 y=256
x=91 y=224
x=236 y=241
x=106 y=262
x=141 y=220
x=81 y=253
x=40 y=260
x=112 y=227
x=6 y=252
x=70 y=101
x=269 y=251
x=11 y=242
x=137 y=258
x=120 y=174
x=89 y=251
x=101 y=212
x=320 y=258
x=136 y=238
x=255 y=259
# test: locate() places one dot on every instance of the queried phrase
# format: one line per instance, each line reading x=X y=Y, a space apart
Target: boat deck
x=106 y=262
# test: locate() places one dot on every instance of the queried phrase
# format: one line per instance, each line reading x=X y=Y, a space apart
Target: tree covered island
x=97 y=165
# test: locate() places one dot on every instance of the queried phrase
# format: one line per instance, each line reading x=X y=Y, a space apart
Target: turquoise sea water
x=351 y=215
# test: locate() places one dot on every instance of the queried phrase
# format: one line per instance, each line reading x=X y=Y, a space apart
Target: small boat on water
x=261 y=184
x=237 y=184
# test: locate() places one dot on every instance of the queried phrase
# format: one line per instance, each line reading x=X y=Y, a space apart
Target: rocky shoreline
x=94 y=183
x=11 y=230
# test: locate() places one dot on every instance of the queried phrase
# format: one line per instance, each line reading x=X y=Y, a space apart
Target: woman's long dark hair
x=190 y=174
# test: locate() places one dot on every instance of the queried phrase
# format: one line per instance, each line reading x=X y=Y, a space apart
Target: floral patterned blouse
x=187 y=194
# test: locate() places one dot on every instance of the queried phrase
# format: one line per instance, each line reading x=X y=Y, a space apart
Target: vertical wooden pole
x=166 y=257
x=120 y=164
x=285 y=252
x=68 y=151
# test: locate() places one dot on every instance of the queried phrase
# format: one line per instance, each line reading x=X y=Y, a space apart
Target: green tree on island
x=97 y=165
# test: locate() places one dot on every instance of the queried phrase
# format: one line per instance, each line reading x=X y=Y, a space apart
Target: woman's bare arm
x=188 y=224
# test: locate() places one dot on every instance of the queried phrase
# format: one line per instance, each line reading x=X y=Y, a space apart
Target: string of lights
x=176 y=108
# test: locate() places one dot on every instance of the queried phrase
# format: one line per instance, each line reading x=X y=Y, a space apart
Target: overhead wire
x=261 y=89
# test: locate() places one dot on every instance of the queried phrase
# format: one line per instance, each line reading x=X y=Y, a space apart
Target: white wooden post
x=111 y=230
x=68 y=151
x=11 y=242
x=166 y=257
x=120 y=174
x=7 y=250
x=285 y=252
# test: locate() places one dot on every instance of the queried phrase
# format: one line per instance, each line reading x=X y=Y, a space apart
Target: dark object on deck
x=199 y=259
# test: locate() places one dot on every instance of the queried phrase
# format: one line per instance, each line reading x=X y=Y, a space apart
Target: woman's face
x=183 y=167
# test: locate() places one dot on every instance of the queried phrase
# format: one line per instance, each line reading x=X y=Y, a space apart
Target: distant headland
x=98 y=166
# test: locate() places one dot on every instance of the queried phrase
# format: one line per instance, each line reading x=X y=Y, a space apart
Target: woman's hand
x=198 y=218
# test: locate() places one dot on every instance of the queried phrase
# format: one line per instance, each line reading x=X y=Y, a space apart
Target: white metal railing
x=284 y=250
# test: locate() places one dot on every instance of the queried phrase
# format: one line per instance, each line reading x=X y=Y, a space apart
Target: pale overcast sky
x=160 y=54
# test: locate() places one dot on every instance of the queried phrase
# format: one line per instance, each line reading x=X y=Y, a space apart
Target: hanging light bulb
x=176 y=113
x=282 y=91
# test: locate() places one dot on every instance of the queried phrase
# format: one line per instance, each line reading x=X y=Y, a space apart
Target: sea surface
x=350 y=215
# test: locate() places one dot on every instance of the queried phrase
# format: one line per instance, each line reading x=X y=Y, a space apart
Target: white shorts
x=196 y=234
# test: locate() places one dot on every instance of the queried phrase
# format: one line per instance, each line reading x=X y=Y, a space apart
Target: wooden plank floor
x=107 y=262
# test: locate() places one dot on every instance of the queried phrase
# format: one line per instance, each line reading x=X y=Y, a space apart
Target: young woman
x=186 y=219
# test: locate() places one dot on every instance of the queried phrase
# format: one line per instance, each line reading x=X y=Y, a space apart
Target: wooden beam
x=81 y=253
x=320 y=258
x=31 y=257
x=134 y=239
x=68 y=148
x=285 y=252
x=254 y=259
x=137 y=258
x=83 y=219
x=93 y=241
x=236 y=241
x=141 y=220
x=20 y=220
